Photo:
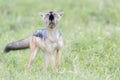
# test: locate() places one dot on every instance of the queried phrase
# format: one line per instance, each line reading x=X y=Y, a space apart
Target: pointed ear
x=61 y=13
x=42 y=15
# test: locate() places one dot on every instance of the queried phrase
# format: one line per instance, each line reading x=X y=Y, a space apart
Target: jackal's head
x=52 y=18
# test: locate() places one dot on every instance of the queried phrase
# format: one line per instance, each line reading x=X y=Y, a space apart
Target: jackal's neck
x=53 y=34
x=53 y=31
x=52 y=28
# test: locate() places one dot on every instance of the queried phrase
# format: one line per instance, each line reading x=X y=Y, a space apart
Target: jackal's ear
x=42 y=15
x=61 y=13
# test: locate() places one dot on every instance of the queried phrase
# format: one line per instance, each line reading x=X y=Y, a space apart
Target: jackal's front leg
x=52 y=60
x=46 y=61
x=59 y=52
x=49 y=57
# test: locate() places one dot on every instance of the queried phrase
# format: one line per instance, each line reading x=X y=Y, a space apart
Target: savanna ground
x=91 y=31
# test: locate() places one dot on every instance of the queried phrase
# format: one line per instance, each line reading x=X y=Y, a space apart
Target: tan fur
x=53 y=44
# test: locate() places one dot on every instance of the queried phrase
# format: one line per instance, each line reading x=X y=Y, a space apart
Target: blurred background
x=91 y=31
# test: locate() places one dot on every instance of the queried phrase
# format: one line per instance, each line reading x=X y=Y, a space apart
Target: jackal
x=48 y=40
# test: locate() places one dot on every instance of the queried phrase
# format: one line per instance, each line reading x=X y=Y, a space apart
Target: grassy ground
x=91 y=31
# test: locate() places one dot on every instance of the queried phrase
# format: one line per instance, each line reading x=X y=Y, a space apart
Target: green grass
x=91 y=31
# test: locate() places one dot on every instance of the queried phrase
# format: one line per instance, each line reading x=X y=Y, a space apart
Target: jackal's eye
x=47 y=15
x=55 y=14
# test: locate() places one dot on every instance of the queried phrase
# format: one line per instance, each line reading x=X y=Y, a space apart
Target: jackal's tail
x=18 y=45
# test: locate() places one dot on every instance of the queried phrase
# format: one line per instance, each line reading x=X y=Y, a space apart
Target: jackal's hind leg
x=34 y=50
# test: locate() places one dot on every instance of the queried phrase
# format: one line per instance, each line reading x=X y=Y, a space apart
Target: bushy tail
x=18 y=45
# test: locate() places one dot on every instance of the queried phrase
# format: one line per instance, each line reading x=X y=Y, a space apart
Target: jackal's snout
x=51 y=17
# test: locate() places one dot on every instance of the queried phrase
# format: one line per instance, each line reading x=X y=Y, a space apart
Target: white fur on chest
x=53 y=42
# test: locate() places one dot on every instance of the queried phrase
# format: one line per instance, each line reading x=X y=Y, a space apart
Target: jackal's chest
x=54 y=45
x=48 y=42
x=51 y=46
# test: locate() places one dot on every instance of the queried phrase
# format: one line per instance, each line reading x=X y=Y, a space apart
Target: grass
x=91 y=31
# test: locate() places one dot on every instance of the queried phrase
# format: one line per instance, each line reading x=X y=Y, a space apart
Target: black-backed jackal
x=48 y=40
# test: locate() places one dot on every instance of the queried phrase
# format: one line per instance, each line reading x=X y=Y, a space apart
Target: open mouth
x=51 y=25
